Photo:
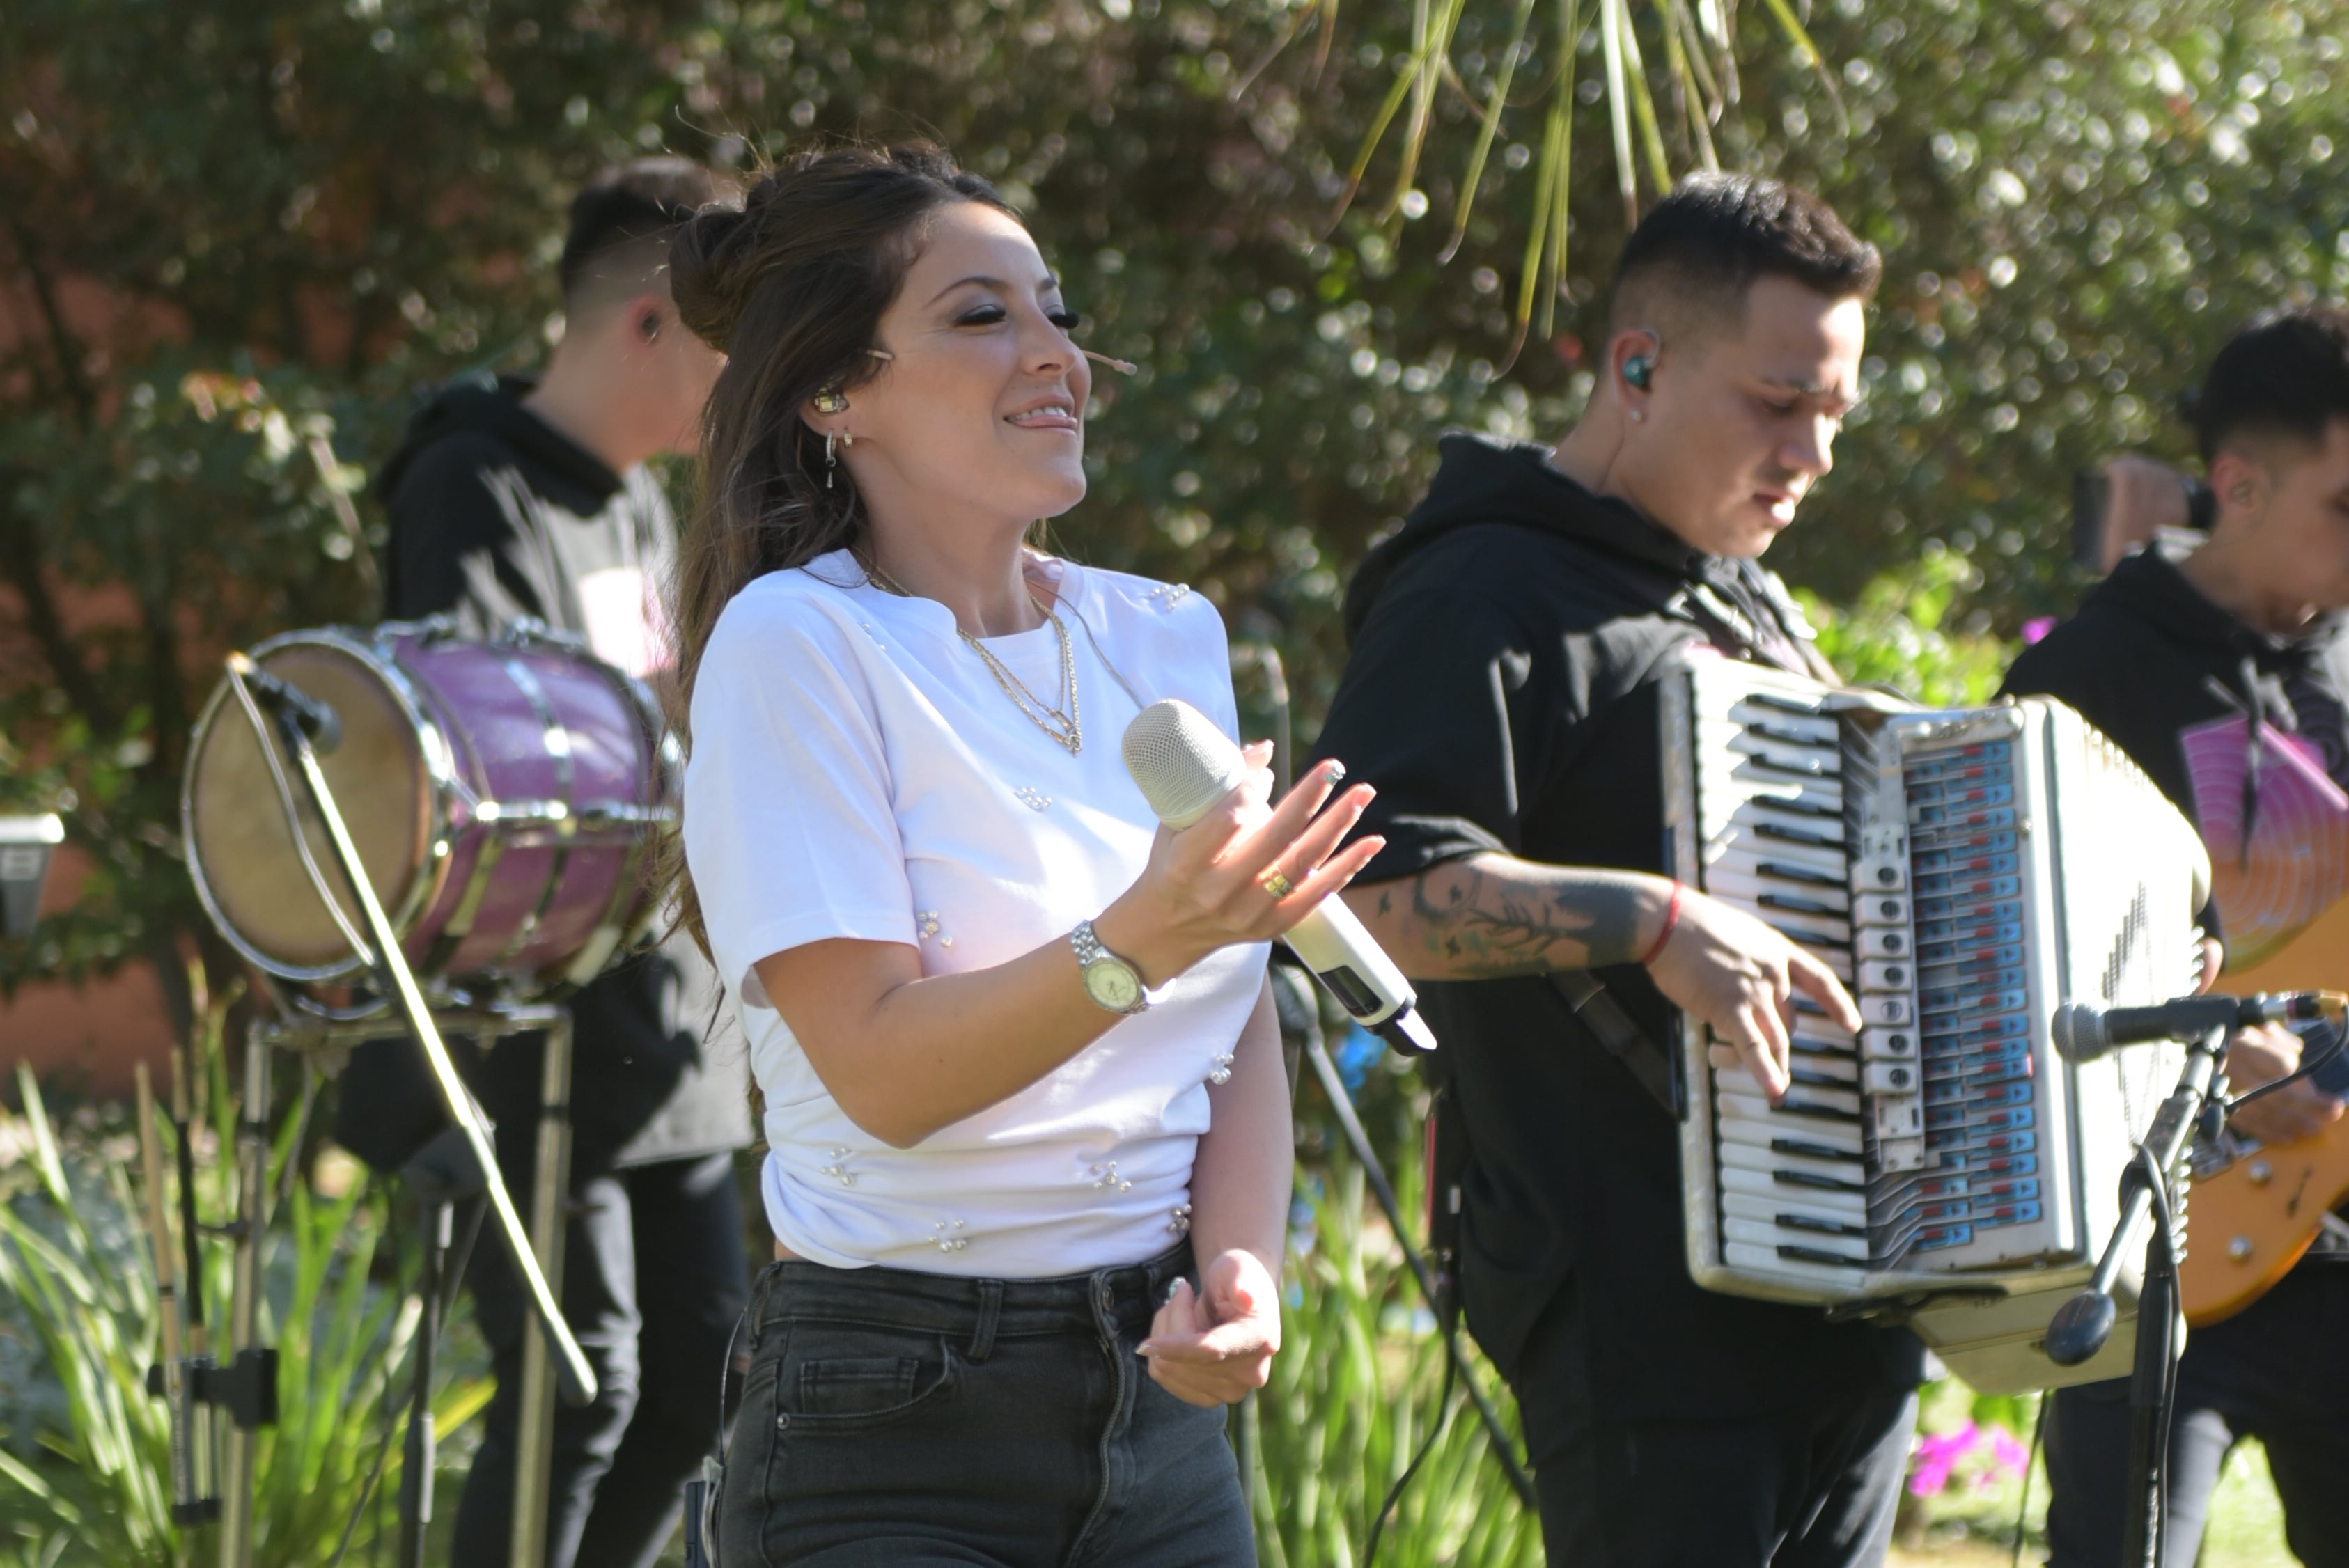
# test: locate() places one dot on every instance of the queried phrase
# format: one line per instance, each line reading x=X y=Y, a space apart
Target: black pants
x=896 y=1419
x=1813 y=1488
x=654 y=1277
x=2278 y=1371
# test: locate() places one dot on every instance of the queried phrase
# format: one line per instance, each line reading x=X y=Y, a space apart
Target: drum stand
x=443 y=1264
x=246 y=1386
x=2153 y=1186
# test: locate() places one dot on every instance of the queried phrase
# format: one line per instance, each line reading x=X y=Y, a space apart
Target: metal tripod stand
x=244 y=1384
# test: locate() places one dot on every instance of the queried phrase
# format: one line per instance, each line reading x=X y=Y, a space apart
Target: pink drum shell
x=493 y=703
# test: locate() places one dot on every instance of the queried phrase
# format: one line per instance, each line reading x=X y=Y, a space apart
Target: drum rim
x=375 y=649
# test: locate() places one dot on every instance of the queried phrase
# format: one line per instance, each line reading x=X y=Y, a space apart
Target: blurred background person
x=517 y=498
x=2247 y=628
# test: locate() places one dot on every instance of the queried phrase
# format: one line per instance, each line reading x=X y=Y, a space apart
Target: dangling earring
x=831 y=462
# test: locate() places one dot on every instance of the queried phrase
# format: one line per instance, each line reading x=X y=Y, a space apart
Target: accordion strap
x=1657 y=1068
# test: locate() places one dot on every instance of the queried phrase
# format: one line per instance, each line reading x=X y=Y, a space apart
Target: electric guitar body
x=2251 y=1220
x=2253 y=1217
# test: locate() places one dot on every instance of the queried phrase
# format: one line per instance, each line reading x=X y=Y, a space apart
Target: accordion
x=1965 y=872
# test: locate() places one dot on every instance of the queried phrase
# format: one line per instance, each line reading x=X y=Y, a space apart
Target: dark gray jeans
x=895 y=1418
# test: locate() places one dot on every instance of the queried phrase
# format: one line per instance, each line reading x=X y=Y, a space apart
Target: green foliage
x=1352 y=1393
x=205 y=507
x=342 y=199
x=93 y=1308
x=365 y=196
x=76 y=1274
x=1896 y=633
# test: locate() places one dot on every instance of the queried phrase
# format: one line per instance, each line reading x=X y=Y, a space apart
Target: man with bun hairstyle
x=515 y=498
x=2250 y=623
x=1502 y=695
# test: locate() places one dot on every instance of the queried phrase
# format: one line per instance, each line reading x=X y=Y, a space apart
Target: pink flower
x=1936 y=1455
x=1987 y=1458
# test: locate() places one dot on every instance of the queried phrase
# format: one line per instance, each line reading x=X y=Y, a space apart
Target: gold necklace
x=1064 y=723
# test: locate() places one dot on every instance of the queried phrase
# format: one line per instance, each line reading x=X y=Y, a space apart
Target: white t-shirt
x=857 y=771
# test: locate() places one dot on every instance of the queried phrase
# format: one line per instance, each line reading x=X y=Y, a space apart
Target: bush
x=90 y=1480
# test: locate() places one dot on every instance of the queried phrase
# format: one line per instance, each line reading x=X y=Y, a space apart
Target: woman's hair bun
x=713 y=263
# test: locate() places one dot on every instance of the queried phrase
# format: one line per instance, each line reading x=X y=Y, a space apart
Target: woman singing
x=1016 y=1046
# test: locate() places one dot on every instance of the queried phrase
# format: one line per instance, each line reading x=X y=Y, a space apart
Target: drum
x=503 y=797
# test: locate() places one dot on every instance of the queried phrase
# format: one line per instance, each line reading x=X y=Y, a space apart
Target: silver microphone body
x=1184 y=765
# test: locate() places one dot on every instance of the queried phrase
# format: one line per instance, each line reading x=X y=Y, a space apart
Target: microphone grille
x=1180 y=760
x=2078 y=1032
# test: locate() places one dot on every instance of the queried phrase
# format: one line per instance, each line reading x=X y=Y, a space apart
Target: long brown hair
x=791 y=288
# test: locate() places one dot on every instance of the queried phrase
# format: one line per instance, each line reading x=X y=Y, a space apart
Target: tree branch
x=20 y=566
x=61 y=342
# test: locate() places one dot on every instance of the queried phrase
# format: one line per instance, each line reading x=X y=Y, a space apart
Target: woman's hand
x=1205 y=886
x=1212 y=1346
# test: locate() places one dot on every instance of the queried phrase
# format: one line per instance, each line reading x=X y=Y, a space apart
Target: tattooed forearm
x=1489 y=916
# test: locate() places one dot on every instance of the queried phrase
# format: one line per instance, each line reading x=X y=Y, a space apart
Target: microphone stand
x=2153 y=1186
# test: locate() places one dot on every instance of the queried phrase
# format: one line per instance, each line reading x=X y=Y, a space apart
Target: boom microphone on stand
x=2081 y=1033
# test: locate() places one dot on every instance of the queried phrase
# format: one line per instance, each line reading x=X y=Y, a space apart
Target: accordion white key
x=1965 y=872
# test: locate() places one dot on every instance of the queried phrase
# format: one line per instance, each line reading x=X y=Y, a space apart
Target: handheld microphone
x=318 y=721
x=2083 y=1032
x=1184 y=765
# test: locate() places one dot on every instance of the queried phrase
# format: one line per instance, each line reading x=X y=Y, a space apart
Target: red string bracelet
x=1671 y=923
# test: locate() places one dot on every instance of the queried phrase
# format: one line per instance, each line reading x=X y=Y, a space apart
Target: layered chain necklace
x=1064 y=723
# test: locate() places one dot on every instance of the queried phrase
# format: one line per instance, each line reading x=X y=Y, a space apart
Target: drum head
x=238 y=843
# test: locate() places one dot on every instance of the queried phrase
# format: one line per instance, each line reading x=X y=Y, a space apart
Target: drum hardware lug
x=461 y=921
x=531 y=632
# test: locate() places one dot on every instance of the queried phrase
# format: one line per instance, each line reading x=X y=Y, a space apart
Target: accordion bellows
x=1965 y=872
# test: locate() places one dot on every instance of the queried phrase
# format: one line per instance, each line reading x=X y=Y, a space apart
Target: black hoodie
x=2147 y=655
x=495 y=515
x=1501 y=696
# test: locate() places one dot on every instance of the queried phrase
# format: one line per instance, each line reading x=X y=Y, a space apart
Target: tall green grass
x=1352 y=1395
x=76 y=1274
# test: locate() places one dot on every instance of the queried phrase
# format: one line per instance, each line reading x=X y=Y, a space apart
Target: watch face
x=1113 y=984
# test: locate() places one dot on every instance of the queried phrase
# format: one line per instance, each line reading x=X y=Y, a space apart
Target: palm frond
x=1697 y=40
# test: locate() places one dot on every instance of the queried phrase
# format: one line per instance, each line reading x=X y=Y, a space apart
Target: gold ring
x=1277 y=885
